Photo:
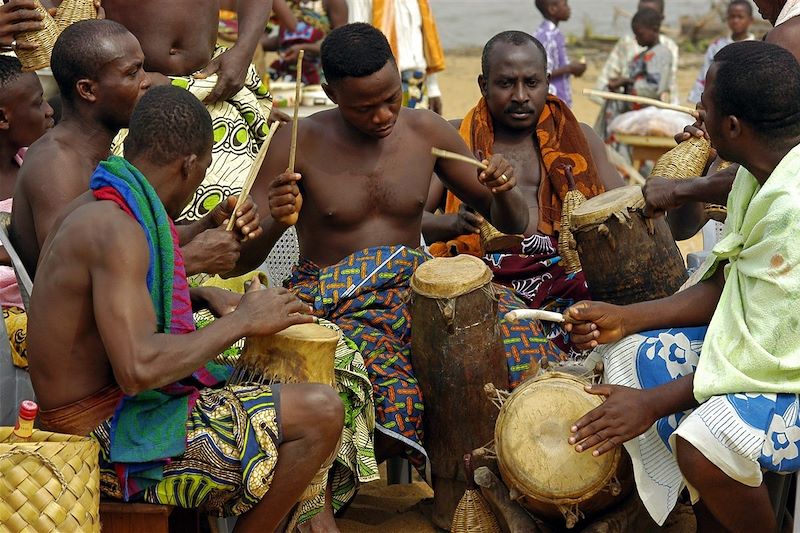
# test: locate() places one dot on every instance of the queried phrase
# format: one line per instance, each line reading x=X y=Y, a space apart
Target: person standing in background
x=627 y=48
x=558 y=64
x=739 y=17
x=411 y=30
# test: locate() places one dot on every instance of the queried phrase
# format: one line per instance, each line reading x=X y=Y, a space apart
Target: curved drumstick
x=291 y=219
x=445 y=154
x=536 y=314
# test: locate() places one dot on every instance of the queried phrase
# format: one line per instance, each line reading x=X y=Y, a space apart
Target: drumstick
x=536 y=314
x=297 y=87
x=641 y=100
x=444 y=154
x=251 y=177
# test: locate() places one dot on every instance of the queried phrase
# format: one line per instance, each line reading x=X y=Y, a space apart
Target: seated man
x=114 y=353
x=98 y=66
x=744 y=384
x=24 y=117
x=516 y=116
x=364 y=169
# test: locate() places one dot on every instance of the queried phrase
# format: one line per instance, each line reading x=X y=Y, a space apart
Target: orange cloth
x=383 y=19
x=561 y=141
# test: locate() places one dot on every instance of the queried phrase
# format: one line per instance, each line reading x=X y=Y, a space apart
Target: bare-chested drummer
x=364 y=170
x=135 y=374
x=98 y=65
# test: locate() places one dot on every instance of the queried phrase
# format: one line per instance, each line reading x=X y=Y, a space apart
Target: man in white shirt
x=408 y=24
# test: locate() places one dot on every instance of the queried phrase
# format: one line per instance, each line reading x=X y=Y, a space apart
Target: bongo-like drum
x=456 y=348
x=494 y=240
x=542 y=470
x=626 y=257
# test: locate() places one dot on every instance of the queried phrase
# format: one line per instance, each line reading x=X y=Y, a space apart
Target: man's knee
x=695 y=467
x=324 y=405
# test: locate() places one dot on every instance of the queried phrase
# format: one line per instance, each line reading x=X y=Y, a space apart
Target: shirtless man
x=364 y=170
x=98 y=66
x=80 y=355
x=514 y=85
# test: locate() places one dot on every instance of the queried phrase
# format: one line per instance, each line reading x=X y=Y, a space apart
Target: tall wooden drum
x=456 y=348
x=626 y=257
x=542 y=470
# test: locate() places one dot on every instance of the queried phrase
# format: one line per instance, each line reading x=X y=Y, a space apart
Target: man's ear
x=483 y=85
x=86 y=89
x=188 y=166
x=734 y=127
x=547 y=77
x=5 y=122
x=330 y=92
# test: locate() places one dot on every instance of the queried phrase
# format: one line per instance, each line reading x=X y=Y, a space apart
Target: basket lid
x=603 y=206
x=450 y=277
x=531 y=435
x=310 y=332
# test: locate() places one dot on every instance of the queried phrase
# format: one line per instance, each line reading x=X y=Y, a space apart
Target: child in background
x=740 y=17
x=558 y=65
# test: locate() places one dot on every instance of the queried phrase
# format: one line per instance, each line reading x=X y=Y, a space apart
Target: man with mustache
x=540 y=136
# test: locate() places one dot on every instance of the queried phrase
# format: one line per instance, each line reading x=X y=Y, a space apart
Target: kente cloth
x=384 y=18
x=749 y=346
x=534 y=272
x=741 y=433
x=561 y=142
x=16 y=320
x=355 y=460
x=149 y=428
x=790 y=10
x=555 y=46
x=312 y=26
x=365 y=294
x=233 y=434
x=239 y=125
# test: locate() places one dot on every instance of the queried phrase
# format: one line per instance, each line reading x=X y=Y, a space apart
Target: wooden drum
x=542 y=470
x=626 y=257
x=456 y=348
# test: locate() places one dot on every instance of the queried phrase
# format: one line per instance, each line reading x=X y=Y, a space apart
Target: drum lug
x=602 y=229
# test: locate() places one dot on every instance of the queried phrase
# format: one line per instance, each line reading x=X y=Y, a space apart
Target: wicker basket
x=72 y=11
x=686 y=160
x=49 y=483
x=567 y=248
x=45 y=39
x=473 y=514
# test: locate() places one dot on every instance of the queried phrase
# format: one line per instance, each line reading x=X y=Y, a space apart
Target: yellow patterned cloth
x=17 y=327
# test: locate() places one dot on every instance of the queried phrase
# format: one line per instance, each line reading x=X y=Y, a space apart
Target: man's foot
x=324 y=521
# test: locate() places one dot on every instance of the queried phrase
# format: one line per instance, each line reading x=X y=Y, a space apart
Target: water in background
x=470 y=23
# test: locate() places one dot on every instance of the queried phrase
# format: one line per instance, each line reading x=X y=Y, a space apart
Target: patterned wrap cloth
x=365 y=294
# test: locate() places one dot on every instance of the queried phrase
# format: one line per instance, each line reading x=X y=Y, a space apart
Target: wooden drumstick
x=445 y=154
x=251 y=177
x=641 y=100
x=537 y=314
x=291 y=219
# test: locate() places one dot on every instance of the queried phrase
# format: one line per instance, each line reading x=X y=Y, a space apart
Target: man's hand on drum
x=214 y=251
x=219 y=301
x=660 y=195
x=624 y=415
x=270 y=310
x=593 y=323
x=283 y=195
x=499 y=174
x=248 y=222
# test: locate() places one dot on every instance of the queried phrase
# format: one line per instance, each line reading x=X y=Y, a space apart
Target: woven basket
x=45 y=39
x=494 y=240
x=686 y=160
x=473 y=514
x=567 y=248
x=72 y=11
x=49 y=483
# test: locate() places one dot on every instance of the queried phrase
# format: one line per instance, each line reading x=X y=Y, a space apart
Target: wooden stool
x=120 y=517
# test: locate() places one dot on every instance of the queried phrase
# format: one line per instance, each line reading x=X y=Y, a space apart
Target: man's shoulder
x=668 y=42
x=47 y=159
x=119 y=230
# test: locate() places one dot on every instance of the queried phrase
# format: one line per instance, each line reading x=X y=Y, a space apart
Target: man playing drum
x=364 y=170
x=540 y=135
x=114 y=353
x=732 y=356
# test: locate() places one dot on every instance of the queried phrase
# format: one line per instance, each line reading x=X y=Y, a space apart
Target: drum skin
x=626 y=257
x=456 y=349
x=536 y=459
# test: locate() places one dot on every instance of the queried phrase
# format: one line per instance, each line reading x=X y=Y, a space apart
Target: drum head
x=531 y=441
x=310 y=332
x=450 y=277
x=601 y=207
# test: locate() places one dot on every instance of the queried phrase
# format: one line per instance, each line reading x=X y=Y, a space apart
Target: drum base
x=446 y=495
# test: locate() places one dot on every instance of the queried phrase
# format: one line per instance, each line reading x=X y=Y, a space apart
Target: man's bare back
x=178 y=37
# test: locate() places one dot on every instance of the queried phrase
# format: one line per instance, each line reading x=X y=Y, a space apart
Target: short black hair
x=354 y=51
x=542 y=5
x=78 y=52
x=168 y=123
x=10 y=70
x=517 y=38
x=746 y=3
x=660 y=4
x=772 y=109
x=647 y=18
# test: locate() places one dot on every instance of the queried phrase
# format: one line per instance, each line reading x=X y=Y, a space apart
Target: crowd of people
x=120 y=208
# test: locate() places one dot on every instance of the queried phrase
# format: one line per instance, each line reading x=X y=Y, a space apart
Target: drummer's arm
x=607 y=173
